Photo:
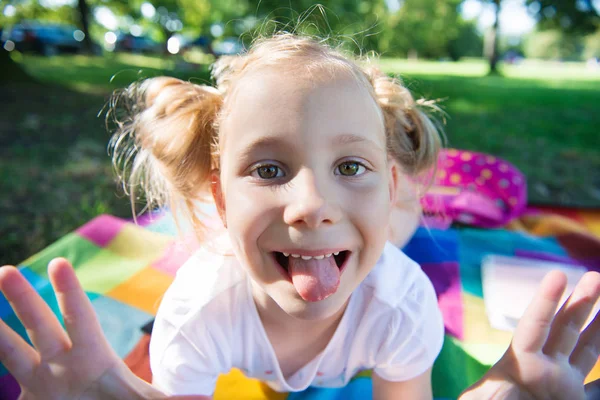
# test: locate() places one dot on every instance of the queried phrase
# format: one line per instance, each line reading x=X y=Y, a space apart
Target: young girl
x=305 y=154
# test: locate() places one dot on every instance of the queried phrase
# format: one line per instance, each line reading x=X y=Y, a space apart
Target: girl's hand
x=77 y=364
x=549 y=356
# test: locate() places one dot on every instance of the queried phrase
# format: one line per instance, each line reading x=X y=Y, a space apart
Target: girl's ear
x=394 y=181
x=217 y=193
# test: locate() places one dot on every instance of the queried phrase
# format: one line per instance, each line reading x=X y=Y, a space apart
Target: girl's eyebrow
x=264 y=142
x=351 y=138
x=275 y=142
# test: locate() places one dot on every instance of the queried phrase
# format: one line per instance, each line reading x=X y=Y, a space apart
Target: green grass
x=56 y=174
x=543 y=117
x=103 y=73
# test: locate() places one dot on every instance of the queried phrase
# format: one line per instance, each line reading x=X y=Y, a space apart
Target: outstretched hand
x=550 y=355
x=76 y=364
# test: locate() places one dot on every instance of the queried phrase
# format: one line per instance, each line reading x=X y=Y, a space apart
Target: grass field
x=56 y=175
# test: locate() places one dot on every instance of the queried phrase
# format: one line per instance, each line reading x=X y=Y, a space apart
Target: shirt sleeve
x=415 y=334
x=180 y=367
x=185 y=358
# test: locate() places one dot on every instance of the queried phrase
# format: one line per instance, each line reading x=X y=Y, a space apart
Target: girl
x=303 y=152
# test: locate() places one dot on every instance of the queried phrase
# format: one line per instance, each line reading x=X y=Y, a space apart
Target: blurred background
x=519 y=79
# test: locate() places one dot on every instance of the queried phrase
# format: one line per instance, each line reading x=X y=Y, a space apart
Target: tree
x=570 y=16
x=351 y=22
x=468 y=43
x=491 y=38
x=34 y=11
x=423 y=28
x=84 y=16
x=567 y=15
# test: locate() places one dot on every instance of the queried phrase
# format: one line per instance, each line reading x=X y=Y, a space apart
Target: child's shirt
x=208 y=323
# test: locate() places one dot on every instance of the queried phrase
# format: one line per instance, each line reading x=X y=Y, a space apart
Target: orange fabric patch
x=144 y=290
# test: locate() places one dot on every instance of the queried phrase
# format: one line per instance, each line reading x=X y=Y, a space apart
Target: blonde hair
x=166 y=137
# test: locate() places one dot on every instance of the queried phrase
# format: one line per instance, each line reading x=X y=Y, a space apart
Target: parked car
x=136 y=44
x=45 y=39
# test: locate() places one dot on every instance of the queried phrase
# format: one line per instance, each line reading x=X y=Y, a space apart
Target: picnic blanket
x=126 y=267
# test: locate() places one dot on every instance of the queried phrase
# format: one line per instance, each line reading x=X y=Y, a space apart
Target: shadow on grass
x=56 y=174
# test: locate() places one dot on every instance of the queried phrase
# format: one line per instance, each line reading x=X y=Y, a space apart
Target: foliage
x=354 y=23
x=468 y=43
x=567 y=15
x=553 y=45
x=424 y=27
x=33 y=10
x=592 y=46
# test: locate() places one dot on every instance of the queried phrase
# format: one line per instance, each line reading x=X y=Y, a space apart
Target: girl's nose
x=311 y=203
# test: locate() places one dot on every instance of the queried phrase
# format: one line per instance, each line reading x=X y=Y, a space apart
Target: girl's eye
x=351 y=168
x=269 y=172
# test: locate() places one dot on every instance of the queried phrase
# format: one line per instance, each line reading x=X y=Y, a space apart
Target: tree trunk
x=11 y=71
x=84 y=19
x=493 y=46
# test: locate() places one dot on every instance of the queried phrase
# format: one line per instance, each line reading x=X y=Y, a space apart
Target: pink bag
x=474 y=189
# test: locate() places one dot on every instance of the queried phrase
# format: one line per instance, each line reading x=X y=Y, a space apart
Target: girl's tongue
x=314 y=279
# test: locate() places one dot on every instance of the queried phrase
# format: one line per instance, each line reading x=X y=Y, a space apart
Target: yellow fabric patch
x=591 y=220
x=236 y=385
x=141 y=244
x=594 y=373
x=477 y=329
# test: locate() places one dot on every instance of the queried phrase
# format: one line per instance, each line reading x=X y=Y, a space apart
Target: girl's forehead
x=297 y=89
x=272 y=104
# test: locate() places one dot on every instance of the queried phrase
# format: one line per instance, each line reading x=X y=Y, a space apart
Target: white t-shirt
x=208 y=323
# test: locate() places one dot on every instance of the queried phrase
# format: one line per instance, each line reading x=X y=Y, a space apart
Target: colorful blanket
x=125 y=268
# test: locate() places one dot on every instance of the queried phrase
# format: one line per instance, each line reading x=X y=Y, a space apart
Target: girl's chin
x=311 y=310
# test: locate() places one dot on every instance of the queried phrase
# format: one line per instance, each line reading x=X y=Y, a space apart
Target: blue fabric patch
x=13 y=322
x=40 y=284
x=121 y=323
x=475 y=244
x=428 y=246
x=356 y=389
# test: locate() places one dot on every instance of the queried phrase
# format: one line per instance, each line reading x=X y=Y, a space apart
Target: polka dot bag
x=474 y=189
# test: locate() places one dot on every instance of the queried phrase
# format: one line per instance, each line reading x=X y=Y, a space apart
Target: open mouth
x=283 y=259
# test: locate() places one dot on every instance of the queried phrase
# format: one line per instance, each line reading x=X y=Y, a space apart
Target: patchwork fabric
x=125 y=268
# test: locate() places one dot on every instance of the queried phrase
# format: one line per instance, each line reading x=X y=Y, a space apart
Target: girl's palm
x=550 y=356
x=77 y=364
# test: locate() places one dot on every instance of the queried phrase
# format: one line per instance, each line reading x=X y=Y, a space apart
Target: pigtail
x=224 y=70
x=164 y=143
x=414 y=138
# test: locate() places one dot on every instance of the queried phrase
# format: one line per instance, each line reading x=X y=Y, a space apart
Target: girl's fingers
x=572 y=316
x=16 y=355
x=43 y=328
x=586 y=352
x=78 y=314
x=533 y=328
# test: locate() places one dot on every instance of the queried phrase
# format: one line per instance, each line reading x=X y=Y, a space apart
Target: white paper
x=509 y=284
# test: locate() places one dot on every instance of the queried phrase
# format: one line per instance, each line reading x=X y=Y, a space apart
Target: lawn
x=56 y=174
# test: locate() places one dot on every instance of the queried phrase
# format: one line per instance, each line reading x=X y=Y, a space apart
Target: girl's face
x=304 y=172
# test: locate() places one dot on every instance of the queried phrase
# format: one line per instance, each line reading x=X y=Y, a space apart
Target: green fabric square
x=455 y=369
x=72 y=247
x=105 y=270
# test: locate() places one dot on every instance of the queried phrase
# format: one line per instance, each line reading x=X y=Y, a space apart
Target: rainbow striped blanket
x=125 y=268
